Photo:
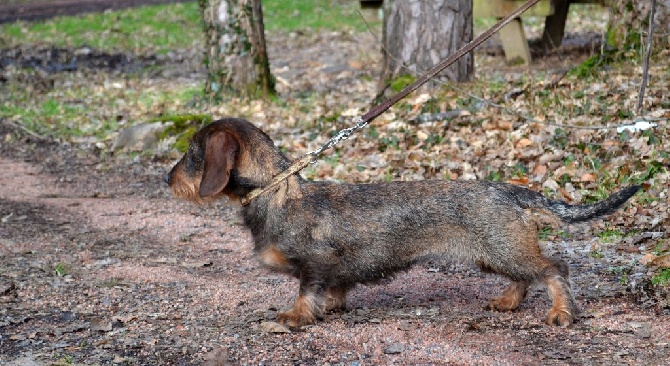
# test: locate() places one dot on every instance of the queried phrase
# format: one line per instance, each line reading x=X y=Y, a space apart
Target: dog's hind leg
x=309 y=304
x=303 y=312
x=511 y=297
x=564 y=309
x=518 y=256
x=336 y=298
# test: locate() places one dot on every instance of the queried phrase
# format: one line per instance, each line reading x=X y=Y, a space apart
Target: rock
x=197 y=264
x=102 y=325
x=550 y=184
x=25 y=360
x=407 y=326
x=394 y=349
x=217 y=357
x=273 y=327
x=641 y=330
x=628 y=248
x=139 y=137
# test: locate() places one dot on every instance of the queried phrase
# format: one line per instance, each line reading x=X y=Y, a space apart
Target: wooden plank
x=500 y=8
x=514 y=42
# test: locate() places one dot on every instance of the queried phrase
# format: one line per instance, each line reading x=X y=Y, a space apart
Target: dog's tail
x=576 y=213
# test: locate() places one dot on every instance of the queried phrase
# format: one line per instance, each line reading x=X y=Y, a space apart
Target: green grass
x=162 y=28
x=662 y=278
x=86 y=110
x=596 y=254
x=660 y=248
x=143 y=30
x=151 y=28
x=610 y=235
x=548 y=231
x=61 y=269
x=290 y=15
x=46 y=115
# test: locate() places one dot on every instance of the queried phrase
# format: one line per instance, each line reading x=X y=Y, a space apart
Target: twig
x=24 y=129
x=647 y=55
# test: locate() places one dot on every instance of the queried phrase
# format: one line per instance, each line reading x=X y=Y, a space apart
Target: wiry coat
x=332 y=236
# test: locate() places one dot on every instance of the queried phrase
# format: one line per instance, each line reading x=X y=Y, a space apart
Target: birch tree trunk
x=235 y=54
x=418 y=34
x=630 y=19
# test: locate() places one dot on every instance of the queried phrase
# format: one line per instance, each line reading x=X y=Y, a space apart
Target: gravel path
x=99 y=265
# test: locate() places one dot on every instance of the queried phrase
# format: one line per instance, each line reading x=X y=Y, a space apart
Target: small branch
x=647 y=55
x=24 y=129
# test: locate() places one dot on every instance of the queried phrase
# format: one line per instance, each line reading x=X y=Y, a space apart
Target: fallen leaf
x=274 y=327
x=662 y=261
x=589 y=177
x=504 y=125
x=523 y=143
x=540 y=170
x=638 y=238
x=356 y=64
x=564 y=192
x=647 y=259
x=522 y=181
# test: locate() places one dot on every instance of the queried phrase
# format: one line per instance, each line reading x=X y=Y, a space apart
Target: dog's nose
x=167 y=177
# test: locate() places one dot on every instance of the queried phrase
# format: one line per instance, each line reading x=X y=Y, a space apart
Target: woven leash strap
x=363 y=121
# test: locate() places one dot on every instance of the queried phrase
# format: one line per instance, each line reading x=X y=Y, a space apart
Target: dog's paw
x=510 y=298
x=503 y=303
x=293 y=318
x=560 y=317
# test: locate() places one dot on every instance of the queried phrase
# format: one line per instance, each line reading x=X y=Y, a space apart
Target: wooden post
x=515 y=43
x=554 y=25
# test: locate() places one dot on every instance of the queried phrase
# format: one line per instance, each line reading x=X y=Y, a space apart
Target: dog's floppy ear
x=220 y=155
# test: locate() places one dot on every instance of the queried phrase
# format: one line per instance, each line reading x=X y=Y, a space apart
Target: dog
x=333 y=236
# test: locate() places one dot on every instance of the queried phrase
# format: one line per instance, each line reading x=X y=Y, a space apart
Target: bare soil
x=13 y=10
x=100 y=265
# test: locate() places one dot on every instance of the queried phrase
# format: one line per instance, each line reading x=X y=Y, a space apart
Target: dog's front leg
x=307 y=306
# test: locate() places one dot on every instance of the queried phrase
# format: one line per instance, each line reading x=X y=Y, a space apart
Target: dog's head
x=229 y=157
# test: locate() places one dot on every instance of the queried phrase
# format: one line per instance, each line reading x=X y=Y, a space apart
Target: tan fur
x=273 y=258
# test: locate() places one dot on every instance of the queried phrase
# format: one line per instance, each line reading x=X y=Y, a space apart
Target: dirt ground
x=100 y=265
x=13 y=10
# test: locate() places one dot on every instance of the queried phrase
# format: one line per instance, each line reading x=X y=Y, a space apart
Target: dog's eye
x=193 y=160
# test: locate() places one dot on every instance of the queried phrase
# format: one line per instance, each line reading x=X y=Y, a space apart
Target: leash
x=377 y=110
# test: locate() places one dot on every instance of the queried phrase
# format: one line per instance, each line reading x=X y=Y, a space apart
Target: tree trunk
x=630 y=19
x=419 y=34
x=235 y=54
